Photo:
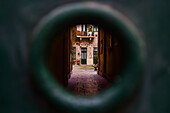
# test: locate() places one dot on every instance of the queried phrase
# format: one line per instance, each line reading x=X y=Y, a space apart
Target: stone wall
x=88 y=43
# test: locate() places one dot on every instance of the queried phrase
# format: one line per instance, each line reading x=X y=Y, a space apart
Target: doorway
x=83 y=55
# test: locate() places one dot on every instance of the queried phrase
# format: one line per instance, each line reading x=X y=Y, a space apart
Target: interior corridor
x=77 y=50
x=85 y=81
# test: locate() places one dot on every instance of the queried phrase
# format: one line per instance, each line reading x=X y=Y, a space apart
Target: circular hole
x=111 y=21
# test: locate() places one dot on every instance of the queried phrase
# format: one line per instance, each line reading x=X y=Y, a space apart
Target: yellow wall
x=84 y=43
x=101 y=52
x=111 y=56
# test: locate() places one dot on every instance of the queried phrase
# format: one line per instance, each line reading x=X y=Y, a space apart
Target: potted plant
x=90 y=30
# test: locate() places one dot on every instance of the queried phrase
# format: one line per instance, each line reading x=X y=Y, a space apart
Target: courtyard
x=85 y=81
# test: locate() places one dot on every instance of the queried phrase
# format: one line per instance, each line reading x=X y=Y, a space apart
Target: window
x=95 y=29
x=84 y=28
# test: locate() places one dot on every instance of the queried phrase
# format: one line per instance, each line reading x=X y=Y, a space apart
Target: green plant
x=95 y=59
x=89 y=28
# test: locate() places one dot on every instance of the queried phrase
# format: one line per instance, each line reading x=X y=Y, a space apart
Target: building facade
x=85 y=43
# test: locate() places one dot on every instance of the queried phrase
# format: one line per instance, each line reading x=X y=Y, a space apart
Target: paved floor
x=85 y=81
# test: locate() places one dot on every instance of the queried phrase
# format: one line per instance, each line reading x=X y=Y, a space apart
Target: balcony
x=85 y=34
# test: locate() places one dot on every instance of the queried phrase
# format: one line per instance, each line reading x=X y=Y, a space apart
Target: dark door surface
x=21 y=93
x=83 y=55
x=95 y=55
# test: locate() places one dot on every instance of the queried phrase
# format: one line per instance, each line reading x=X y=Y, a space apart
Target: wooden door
x=83 y=55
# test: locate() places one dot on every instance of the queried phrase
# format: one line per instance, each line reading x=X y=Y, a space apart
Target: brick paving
x=85 y=81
